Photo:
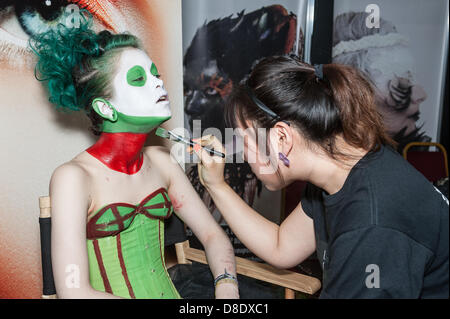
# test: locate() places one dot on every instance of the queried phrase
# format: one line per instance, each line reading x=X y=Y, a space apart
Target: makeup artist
x=379 y=228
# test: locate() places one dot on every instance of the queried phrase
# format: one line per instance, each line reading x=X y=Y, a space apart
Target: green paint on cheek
x=154 y=70
x=136 y=76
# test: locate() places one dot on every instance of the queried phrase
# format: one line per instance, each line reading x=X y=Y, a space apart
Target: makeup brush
x=177 y=138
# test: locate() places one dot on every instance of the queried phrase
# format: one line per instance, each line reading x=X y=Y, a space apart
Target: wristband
x=226 y=275
x=226 y=281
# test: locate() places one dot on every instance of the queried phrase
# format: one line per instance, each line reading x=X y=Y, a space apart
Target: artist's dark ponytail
x=339 y=101
x=354 y=96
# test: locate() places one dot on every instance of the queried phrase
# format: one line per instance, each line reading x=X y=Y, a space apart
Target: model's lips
x=163 y=98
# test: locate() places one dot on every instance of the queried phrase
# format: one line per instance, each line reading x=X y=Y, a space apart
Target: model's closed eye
x=136 y=76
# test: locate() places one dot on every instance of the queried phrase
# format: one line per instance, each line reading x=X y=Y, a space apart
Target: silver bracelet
x=225 y=275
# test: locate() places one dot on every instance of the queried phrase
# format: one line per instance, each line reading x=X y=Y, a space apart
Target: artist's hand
x=211 y=168
x=227 y=291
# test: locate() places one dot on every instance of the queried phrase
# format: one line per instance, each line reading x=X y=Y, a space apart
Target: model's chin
x=164 y=109
x=161 y=112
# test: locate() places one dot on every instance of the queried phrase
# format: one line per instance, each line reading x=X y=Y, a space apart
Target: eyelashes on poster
x=20 y=20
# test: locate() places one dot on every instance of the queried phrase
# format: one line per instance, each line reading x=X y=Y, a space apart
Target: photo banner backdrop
x=402 y=46
x=221 y=42
x=35 y=138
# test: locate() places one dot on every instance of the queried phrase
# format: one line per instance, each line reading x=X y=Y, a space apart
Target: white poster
x=402 y=46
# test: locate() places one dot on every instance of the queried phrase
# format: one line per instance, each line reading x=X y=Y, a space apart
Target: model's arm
x=192 y=211
x=69 y=201
x=282 y=246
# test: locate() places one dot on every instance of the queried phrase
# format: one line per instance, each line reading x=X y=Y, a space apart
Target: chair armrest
x=261 y=271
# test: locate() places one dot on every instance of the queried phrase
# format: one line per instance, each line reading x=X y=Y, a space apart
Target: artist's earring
x=284 y=159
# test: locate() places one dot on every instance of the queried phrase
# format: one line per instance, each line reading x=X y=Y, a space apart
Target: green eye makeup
x=136 y=76
x=154 y=70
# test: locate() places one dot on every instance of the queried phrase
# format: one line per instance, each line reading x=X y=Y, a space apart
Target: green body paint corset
x=126 y=249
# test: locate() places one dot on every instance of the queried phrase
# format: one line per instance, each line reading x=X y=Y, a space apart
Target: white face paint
x=149 y=99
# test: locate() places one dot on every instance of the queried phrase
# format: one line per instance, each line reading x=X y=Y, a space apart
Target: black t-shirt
x=384 y=234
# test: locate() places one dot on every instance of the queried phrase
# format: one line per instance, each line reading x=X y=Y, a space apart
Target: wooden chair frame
x=291 y=281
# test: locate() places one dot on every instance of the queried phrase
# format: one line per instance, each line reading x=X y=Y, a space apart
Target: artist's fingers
x=217 y=145
x=211 y=142
x=203 y=141
x=203 y=155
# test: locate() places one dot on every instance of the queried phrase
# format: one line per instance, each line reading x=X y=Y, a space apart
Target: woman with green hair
x=109 y=203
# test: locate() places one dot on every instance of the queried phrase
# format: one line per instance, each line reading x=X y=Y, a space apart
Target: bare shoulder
x=157 y=152
x=161 y=159
x=69 y=192
x=160 y=156
x=71 y=172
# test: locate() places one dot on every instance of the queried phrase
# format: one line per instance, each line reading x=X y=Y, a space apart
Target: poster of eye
x=35 y=137
x=221 y=42
x=402 y=46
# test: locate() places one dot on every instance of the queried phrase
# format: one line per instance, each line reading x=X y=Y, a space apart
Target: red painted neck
x=121 y=152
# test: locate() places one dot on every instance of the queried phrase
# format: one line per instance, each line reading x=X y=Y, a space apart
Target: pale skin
x=293 y=241
x=79 y=188
x=84 y=185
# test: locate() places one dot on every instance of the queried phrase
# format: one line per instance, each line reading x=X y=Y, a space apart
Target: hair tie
x=318 y=71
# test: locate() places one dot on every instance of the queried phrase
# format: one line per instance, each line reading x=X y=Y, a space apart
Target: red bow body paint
x=121 y=152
